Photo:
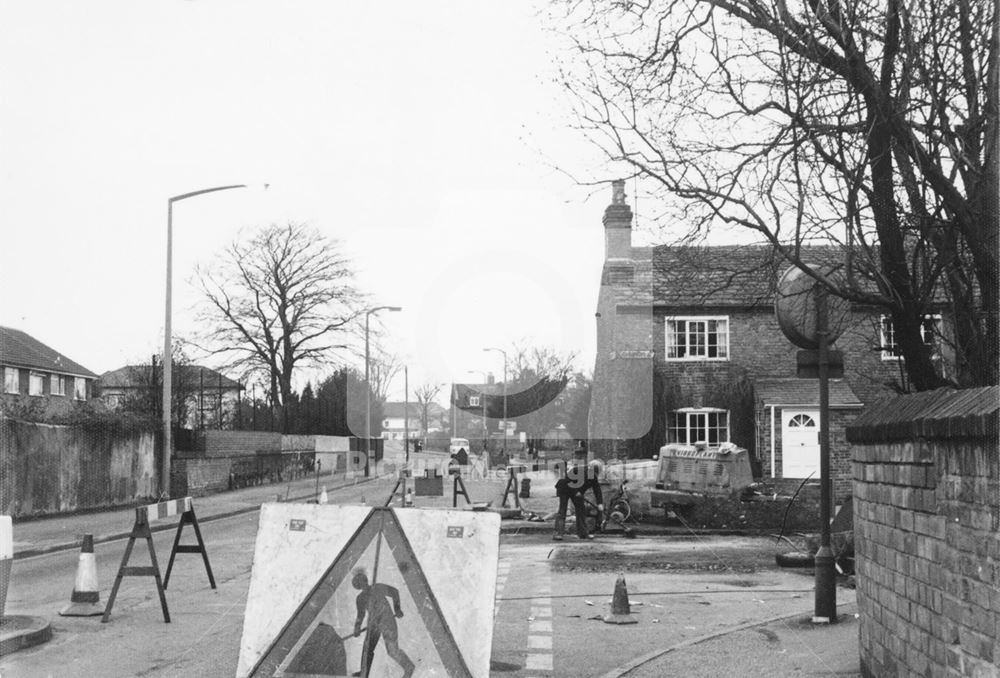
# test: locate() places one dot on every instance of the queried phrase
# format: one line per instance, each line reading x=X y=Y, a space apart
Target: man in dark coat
x=578 y=478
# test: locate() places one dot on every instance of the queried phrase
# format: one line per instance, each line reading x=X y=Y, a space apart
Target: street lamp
x=167 y=348
x=368 y=389
x=504 y=449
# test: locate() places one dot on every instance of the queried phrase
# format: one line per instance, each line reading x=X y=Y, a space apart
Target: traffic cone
x=323 y=497
x=85 y=601
x=621 y=611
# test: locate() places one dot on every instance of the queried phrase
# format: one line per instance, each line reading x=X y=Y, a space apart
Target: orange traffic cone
x=324 y=498
x=85 y=601
x=621 y=611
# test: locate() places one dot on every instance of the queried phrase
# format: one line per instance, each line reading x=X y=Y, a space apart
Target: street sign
x=795 y=307
x=807 y=364
x=370 y=592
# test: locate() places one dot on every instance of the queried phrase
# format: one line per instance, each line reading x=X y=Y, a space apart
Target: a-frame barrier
x=188 y=518
x=511 y=488
x=458 y=488
x=400 y=487
x=140 y=529
x=380 y=523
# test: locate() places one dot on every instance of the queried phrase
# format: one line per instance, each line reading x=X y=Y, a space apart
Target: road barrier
x=143 y=515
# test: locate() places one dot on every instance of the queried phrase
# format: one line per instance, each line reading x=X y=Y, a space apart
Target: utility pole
x=406 y=412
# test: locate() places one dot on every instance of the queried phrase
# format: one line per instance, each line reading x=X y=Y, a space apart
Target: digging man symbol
x=373 y=601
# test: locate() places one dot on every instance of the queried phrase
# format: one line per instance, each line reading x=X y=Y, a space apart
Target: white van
x=459 y=444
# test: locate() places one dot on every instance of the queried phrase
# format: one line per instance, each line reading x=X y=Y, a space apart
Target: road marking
x=540 y=642
x=503 y=570
x=540 y=626
x=539 y=656
x=538 y=662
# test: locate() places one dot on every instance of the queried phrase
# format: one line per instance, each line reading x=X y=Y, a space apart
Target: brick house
x=38 y=379
x=689 y=349
x=211 y=398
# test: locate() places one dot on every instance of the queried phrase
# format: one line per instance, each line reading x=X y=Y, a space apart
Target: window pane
x=712 y=339
x=930 y=327
x=718 y=427
x=36 y=384
x=10 y=384
x=676 y=339
x=676 y=432
x=697 y=337
x=80 y=388
x=697 y=427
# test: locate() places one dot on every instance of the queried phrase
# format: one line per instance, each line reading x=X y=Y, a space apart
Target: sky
x=422 y=136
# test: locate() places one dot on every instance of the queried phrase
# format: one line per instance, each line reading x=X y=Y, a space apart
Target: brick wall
x=927 y=534
x=217 y=443
x=758 y=346
x=199 y=477
x=47 y=469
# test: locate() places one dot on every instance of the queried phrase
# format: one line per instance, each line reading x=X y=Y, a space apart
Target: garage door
x=799 y=443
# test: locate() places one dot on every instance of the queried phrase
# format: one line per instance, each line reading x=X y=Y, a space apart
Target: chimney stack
x=618 y=225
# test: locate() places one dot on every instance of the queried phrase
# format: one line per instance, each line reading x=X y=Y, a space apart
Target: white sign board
x=354 y=590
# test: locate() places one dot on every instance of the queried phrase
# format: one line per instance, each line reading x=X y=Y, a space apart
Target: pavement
x=782 y=642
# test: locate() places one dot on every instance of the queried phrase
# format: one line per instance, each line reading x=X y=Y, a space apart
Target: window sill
x=697 y=360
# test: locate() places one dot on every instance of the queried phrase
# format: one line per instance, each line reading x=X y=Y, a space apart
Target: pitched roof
x=395 y=409
x=130 y=377
x=19 y=349
x=730 y=275
x=796 y=391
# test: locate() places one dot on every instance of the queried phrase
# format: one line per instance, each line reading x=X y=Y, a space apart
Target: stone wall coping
x=941 y=413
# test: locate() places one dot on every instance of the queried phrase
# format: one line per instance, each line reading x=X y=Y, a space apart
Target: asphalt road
x=548 y=597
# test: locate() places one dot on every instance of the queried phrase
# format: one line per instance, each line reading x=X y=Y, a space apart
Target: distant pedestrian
x=578 y=478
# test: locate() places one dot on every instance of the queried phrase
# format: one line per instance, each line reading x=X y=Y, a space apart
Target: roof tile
x=20 y=349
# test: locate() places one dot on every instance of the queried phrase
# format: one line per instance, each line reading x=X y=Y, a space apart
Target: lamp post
x=406 y=412
x=368 y=388
x=504 y=449
x=167 y=348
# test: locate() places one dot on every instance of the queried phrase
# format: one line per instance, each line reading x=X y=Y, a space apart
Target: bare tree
x=425 y=395
x=869 y=126
x=382 y=369
x=277 y=299
x=538 y=378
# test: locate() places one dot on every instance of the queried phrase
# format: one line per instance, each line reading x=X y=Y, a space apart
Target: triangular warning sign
x=370 y=615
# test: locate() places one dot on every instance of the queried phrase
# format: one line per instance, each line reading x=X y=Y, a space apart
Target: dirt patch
x=738 y=556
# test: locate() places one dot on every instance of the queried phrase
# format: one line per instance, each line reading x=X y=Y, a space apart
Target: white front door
x=799 y=443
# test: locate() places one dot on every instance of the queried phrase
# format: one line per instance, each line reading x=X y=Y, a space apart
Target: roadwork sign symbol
x=386 y=604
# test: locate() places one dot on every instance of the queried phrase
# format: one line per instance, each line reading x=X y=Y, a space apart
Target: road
x=547 y=595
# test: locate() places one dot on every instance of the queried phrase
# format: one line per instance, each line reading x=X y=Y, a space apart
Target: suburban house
x=38 y=381
x=689 y=350
x=395 y=424
x=210 y=398
x=398 y=421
